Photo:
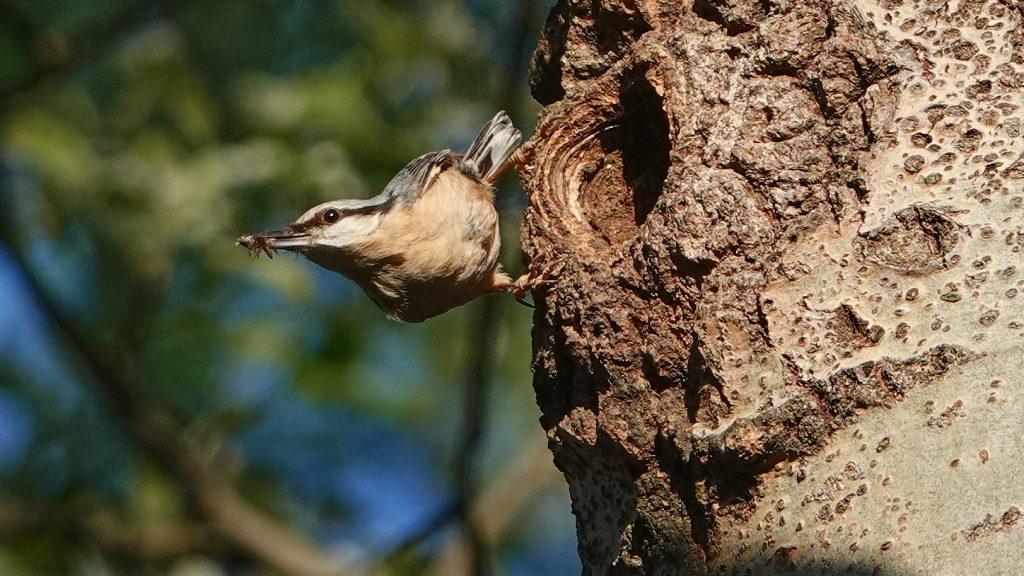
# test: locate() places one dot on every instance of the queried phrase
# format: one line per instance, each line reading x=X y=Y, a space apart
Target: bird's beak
x=269 y=242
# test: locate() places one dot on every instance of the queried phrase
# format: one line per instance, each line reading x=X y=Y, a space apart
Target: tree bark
x=787 y=332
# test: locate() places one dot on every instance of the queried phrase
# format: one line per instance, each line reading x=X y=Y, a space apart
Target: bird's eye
x=332 y=216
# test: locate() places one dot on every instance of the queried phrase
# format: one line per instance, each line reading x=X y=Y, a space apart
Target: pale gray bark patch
x=780 y=221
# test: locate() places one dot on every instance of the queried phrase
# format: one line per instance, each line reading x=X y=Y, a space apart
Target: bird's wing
x=410 y=182
x=484 y=161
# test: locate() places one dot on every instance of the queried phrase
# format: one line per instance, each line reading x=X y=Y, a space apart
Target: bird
x=427 y=243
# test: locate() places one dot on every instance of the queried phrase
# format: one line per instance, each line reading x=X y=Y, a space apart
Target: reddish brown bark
x=710 y=174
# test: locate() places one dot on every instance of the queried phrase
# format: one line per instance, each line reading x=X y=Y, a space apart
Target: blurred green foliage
x=137 y=140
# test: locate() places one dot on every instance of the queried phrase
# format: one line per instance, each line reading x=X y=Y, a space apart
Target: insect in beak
x=272 y=241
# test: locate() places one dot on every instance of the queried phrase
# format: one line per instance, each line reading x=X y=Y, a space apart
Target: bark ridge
x=751 y=200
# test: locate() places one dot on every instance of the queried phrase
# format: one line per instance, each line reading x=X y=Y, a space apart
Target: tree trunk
x=787 y=332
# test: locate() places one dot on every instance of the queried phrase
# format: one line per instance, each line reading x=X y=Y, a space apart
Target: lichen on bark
x=763 y=211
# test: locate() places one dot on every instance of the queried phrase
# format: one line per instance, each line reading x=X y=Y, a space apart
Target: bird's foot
x=518 y=160
x=534 y=280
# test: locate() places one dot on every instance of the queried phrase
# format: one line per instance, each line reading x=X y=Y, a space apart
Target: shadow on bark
x=686 y=183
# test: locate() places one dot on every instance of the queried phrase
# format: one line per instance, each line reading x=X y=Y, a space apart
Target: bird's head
x=328 y=234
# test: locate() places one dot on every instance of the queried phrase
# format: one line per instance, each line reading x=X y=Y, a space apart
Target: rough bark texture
x=787 y=331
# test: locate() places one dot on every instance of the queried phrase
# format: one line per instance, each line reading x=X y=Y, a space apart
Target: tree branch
x=161 y=435
x=113 y=535
x=479 y=365
x=499 y=504
x=483 y=333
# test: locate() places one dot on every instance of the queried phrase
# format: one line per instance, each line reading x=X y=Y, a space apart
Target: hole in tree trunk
x=645 y=143
x=632 y=163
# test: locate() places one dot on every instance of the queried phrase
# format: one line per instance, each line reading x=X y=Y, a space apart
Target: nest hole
x=634 y=163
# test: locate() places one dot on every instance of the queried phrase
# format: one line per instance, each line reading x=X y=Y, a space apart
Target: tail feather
x=493 y=146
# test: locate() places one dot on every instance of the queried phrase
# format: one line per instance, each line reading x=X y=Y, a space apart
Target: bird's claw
x=534 y=279
x=518 y=160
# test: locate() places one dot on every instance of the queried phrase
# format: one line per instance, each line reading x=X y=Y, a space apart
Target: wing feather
x=412 y=181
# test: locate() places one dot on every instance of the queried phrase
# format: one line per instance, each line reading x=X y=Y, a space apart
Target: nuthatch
x=428 y=243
